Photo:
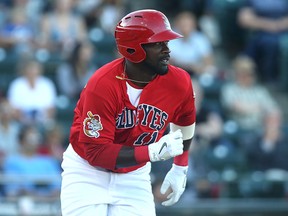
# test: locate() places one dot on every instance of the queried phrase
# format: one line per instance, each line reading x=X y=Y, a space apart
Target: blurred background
x=236 y=52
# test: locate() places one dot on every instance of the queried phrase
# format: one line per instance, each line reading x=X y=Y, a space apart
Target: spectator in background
x=89 y=9
x=268 y=161
x=33 y=8
x=204 y=13
x=194 y=52
x=32 y=95
x=209 y=120
x=53 y=144
x=72 y=76
x=268 y=156
x=267 y=21
x=101 y=13
x=250 y=105
x=208 y=137
x=271 y=151
x=17 y=34
x=62 y=28
x=28 y=172
x=9 y=130
x=110 y=13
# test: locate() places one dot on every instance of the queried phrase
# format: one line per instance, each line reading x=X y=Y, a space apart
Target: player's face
x=157 y=57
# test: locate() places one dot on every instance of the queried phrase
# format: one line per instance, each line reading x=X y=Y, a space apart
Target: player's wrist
x=182 y=160
x=153 y=156
x=179 y=169
x=142 y=154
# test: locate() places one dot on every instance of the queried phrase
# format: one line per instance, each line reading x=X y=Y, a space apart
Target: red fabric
x=142 y=154
x=182 y=160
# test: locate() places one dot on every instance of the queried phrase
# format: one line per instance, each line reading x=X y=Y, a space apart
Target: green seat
x=283 y=67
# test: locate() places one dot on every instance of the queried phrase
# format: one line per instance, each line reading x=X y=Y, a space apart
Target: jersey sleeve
x=185 y=117
x=98 y=115
x=98 y=122
x=185 y=114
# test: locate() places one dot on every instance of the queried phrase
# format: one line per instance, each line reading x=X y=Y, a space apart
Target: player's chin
x=163 y=69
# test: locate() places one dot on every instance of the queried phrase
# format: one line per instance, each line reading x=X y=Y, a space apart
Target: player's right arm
x=113 y=156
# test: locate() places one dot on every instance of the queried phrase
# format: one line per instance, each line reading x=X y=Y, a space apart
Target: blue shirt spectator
x=29 y=173
x=266 y=24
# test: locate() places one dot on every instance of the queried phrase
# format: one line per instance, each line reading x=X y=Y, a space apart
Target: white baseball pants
x=90 y=191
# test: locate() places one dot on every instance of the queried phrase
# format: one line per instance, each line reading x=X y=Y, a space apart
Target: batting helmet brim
x=164 y=36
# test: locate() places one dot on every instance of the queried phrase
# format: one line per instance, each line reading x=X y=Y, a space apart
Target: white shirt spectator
x=29 y=100
x=33 y=95
x=194 y=52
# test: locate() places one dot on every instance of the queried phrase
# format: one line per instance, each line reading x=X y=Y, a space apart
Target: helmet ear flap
x=130 y=50
x=136 y=54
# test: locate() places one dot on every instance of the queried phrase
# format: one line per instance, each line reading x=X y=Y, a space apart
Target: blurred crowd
x=235 y=52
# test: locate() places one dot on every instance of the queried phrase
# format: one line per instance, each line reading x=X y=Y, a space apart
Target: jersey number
x=146 y=136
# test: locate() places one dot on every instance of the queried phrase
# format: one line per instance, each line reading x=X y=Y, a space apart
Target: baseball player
x=119 y=124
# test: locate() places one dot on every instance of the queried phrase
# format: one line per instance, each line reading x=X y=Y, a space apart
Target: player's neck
x=136 y=74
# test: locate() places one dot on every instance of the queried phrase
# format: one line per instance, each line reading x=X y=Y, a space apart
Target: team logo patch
x=92 y=125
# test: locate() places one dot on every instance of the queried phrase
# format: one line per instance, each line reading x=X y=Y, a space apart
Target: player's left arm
x=176 y=178
x=185 y=120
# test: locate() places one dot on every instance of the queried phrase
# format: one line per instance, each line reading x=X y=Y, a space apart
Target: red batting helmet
x=142 y=27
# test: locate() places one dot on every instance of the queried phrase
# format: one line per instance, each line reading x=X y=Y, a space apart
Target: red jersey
x=105 y=119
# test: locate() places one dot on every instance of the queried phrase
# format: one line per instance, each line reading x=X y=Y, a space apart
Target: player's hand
x=175 y=179
x=167 y=147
